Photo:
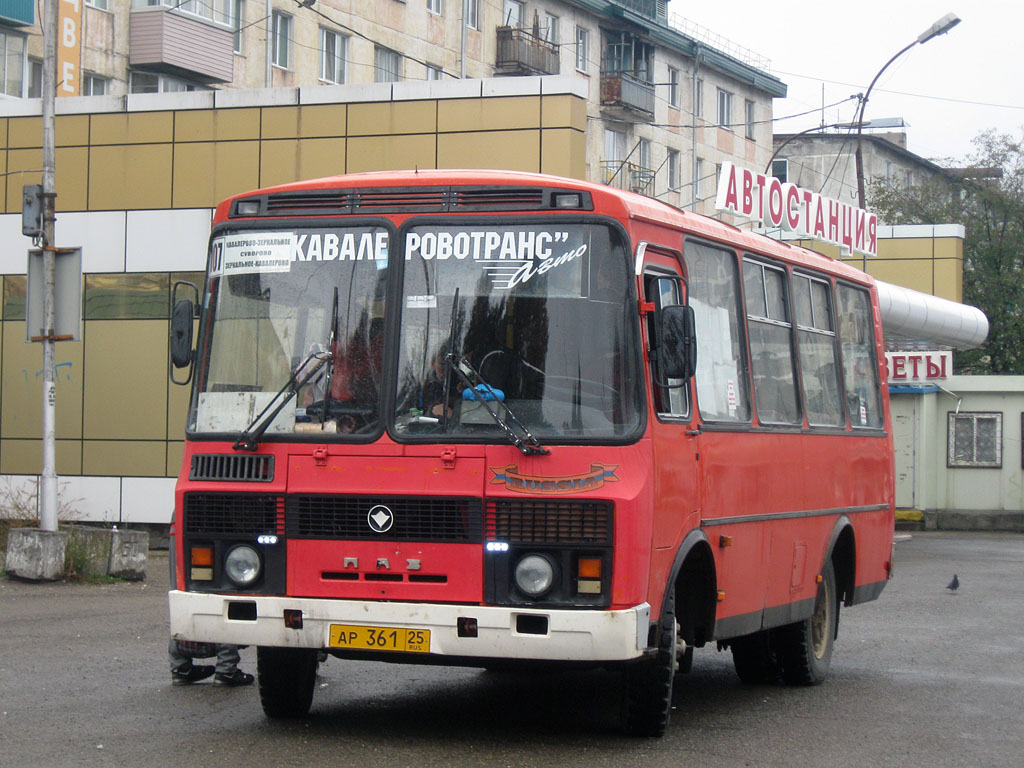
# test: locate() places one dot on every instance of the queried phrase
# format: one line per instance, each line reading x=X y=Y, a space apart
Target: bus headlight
x=534 y=574
x=242 y=565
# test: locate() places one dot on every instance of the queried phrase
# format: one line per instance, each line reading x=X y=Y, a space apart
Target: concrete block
x=129 y=552
x=35 y=555
x=88 y=550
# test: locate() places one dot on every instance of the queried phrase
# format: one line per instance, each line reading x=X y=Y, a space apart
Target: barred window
x=975 y=440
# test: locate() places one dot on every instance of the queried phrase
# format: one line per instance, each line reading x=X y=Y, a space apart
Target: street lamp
x=940 y=27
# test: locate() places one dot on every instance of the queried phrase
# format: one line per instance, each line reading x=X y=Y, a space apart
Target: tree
x=987 y=197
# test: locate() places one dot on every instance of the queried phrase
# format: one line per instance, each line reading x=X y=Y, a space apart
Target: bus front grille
x=380 y=518
x=233 y=513
x=546 y=521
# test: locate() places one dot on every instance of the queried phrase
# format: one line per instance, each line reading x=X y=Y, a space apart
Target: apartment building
x=668 y=101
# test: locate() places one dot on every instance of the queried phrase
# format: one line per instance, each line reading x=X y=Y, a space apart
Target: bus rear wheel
x=805 y=648
x=287 y=677
x=647 y=695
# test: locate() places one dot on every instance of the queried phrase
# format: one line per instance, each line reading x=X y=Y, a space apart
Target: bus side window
x=673 y=401
x=771 y=343
x=819 y=357
x=860 y=369
x=721 y=378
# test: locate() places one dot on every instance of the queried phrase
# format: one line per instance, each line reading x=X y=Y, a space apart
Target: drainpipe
x=270 y=42
x=462 y=53
x=693 y=133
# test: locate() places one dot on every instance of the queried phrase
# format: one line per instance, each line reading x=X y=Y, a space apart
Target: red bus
x=490 y=418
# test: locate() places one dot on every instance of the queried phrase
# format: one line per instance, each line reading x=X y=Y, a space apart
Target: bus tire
x=647 y=694
x=287 y=677
x=755 y=659
x=805 y=648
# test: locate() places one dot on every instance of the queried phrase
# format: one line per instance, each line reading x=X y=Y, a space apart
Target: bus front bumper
x=501 y=632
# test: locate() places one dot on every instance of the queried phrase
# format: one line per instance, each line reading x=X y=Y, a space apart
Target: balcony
x=631 y=176
x=17 y=13
x=165 y=40
x=521 y=53
x=625 y=97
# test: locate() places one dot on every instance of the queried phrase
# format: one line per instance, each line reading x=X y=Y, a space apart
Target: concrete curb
x=960 y=520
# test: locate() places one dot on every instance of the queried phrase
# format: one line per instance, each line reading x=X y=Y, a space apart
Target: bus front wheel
x=287 y=677
x=647 y=695
x=804 y=649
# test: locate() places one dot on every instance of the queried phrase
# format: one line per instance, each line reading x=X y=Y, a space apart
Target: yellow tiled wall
x=117 y=414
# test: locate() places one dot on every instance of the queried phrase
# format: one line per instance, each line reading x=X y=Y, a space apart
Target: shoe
x=236 y=678
x=194 y=674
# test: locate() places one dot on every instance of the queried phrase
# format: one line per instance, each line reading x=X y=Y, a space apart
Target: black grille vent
x=548 y=522
x=498 y=198
x=451 y=520
x=233 y=513
x=234 y=468
x=383 y=200
x=330 y=201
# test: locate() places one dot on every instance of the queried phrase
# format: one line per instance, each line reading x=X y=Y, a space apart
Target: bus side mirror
x=182 y=318
x=677 y=356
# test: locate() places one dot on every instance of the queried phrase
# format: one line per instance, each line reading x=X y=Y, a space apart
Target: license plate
x=380 y=638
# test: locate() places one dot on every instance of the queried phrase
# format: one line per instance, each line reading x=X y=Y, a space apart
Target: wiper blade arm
x=248 y=440
x=524 y=439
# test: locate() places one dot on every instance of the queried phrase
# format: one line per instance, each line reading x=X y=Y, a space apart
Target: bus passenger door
x=674 y=437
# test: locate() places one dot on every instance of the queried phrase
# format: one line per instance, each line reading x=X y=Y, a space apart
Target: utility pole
x=48 y=479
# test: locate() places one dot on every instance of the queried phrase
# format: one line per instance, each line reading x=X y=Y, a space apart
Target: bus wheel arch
x=842 y=551
x=694 y=582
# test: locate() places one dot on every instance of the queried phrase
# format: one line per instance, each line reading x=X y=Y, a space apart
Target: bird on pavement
x=954 y=585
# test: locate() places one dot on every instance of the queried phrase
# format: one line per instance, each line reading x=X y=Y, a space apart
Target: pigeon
x=954 y=584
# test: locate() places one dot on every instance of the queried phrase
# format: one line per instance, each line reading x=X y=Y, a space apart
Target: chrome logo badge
x=380 y=519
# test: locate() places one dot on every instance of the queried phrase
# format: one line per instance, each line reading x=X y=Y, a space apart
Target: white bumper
x=572 y=635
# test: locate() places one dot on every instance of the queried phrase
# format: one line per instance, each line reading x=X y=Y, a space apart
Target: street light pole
x=940 y=27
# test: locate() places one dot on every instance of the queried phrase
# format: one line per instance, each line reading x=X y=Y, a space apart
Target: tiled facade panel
x=136 y=191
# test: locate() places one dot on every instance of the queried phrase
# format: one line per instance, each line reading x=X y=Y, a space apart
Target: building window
x=748 y=118
x=35 y=78
x=780 y=170
x=387 y=65
x=582 y=48
x=472 y=11
x=282 y=40
x=94 y=86
x=512 y=14
x=231 y=13
x=698 y=98
x=724 y=109
x=101 y=4
x=436 y=7
x=434 y=72
x=332 y=56
x=975 y=440
x=673 y=86
x=698 y=171
x=12 y=66
x=673 y=170
x=150 y=82
x=550 y=31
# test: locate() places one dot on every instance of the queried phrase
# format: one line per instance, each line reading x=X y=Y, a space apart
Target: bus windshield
x=528 y=323
x=295 y=307
x=534 y=319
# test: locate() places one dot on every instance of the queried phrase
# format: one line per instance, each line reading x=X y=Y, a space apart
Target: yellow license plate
x=380 y=638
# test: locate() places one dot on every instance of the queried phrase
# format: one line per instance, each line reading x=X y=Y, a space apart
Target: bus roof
x=621 y=203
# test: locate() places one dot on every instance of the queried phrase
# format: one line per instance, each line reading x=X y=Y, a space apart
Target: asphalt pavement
x=921 y=677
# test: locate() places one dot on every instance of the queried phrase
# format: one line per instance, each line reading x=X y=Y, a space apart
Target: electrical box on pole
x=67 y=288
x=32 y=210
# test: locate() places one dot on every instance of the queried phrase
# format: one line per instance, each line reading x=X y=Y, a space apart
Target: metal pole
x=48 y=479
x=270 y=28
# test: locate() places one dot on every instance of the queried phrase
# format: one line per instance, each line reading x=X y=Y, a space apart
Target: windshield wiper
x=485 y=395
x=332 y=364
x=248 y=440
x=455 y=362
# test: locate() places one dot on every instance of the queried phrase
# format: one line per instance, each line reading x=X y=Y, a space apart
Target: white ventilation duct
x=923 y=317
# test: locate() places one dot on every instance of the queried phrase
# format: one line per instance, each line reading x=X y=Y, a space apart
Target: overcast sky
x=947 y=90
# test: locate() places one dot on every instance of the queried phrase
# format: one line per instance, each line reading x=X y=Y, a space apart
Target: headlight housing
x=534 y=575
x=242 y=565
